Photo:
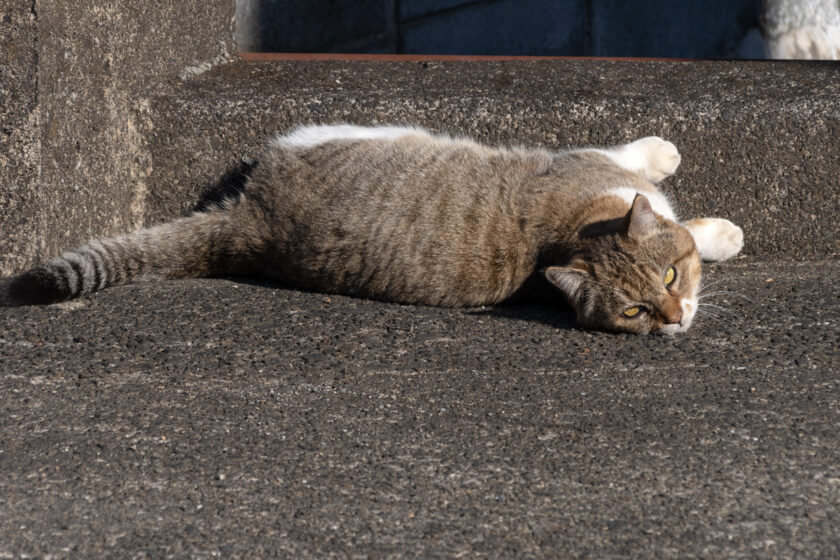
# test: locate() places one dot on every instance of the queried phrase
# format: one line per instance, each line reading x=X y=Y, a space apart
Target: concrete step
x=758 y=139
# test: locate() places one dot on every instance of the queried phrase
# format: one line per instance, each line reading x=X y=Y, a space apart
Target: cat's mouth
x=689 y=308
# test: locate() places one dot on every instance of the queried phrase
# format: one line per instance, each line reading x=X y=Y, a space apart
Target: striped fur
x=401 y=214
x=189 y=247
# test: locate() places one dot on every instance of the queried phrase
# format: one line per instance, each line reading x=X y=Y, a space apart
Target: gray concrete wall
x=78 y=165
x=20 y=147
x=641 y=28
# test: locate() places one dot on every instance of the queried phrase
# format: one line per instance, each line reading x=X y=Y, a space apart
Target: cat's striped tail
x=199 y=245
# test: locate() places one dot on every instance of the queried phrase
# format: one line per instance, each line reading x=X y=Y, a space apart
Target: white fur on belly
x=657 y=201
x=312 y=135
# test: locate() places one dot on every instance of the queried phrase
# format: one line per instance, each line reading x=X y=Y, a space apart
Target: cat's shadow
x=536 y=302
x=553 y=313
x=558 y=317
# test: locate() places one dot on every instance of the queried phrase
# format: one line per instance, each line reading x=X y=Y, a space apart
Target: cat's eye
x=632 y=311
x=670 y=275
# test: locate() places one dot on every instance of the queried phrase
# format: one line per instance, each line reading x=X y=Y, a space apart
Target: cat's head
x=642 y=279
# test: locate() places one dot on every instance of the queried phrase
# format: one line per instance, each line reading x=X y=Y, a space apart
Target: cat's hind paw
x=651 y=156
x=662 y=157
x=716 y=239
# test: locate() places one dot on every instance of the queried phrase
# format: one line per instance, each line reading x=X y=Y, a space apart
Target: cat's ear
x=568 y=279
x=641 y=219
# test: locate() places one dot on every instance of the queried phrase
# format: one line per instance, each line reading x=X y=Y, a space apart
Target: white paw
x=716 y=239
x=662 y=157
x=652 y=156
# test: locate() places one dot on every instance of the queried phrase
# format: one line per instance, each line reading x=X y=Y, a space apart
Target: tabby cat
x=401 y=214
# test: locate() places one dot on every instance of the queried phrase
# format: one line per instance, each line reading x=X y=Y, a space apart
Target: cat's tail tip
x=38 y=286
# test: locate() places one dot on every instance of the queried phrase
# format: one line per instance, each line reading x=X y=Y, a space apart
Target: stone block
x=20 y=203
x=652 y=28
x=539 y=27
x=80 y=166
x=410 y=9
x=310 y=25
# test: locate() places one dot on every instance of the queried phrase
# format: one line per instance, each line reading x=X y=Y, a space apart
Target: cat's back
x=352 y=156
x=330 y=171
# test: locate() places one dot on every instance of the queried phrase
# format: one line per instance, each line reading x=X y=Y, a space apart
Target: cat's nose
x=673 y=318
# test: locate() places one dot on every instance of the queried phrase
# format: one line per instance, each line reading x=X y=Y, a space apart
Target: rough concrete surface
x=19 y=134
x=216 y=418
x=758 y=140
x=75 y=165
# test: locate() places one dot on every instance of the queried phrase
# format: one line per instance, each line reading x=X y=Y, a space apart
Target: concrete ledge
x=757 y=138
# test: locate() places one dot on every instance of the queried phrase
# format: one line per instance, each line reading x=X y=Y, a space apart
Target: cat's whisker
x=717 y=307
x=709 y=285
x=707 y=311
x=709 y=304
x=709 y=294
x=704 y=295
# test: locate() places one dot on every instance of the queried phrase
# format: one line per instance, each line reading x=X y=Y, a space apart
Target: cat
x=401 y=214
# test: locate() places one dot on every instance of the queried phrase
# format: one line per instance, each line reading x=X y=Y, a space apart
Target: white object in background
x=802 y=29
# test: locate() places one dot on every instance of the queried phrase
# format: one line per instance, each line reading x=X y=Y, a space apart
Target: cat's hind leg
x=716 y=239
x=651 y=156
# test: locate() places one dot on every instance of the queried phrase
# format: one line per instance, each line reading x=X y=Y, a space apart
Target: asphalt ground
x=222 y=418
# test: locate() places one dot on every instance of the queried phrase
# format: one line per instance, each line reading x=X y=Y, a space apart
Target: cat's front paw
x=717 y=239
x=662 y=157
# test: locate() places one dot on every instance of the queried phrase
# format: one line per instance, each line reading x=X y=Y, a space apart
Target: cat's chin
x=672 y=330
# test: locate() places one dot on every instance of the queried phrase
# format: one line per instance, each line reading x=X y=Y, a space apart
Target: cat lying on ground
x=401 y=214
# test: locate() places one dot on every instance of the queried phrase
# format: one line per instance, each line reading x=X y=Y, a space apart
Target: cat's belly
x=449 y=281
